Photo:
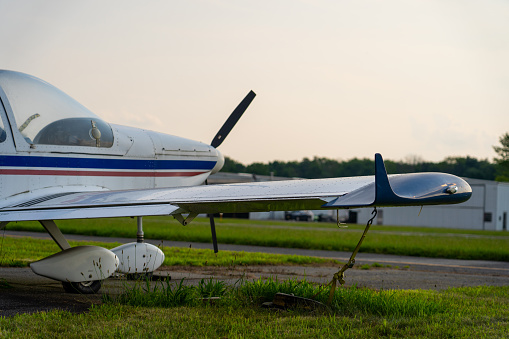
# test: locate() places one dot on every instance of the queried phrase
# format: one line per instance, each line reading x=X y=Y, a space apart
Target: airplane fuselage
x=54 y=160
x=60 y=161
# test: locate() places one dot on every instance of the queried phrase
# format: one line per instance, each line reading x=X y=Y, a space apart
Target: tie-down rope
x=339 y=276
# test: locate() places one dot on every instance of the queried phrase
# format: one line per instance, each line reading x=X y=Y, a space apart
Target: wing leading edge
x=413 y=189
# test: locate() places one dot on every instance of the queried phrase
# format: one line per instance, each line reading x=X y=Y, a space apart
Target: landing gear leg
x=140 y=239
x=140 y=235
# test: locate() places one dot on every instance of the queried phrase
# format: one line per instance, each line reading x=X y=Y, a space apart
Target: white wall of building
x=274 y=215
x=502 y=216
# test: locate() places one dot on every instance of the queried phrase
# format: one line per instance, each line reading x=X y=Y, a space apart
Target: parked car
x=300 y=215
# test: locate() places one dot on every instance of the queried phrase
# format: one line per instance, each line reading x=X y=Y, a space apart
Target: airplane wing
x=379 y=190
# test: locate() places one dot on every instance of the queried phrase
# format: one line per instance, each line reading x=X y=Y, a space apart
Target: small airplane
x=58 y=160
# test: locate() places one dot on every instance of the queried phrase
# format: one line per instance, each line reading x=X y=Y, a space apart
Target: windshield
x=46 y=115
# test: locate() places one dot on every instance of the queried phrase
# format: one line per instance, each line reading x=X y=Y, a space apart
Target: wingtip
x=383 y=189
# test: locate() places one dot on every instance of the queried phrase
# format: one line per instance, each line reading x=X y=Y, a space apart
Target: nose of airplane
x=219 y=163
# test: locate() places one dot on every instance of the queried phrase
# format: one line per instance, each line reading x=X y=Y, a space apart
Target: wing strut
x=213 y=232
x=55 y=233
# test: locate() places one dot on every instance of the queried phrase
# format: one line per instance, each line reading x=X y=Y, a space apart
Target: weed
x=161 y=294
x=211 y=288
x=346 y=301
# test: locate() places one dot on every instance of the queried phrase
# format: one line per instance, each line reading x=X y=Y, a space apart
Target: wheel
x=85 y=287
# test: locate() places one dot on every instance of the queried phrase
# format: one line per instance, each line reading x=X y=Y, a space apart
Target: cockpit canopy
x=45 y=115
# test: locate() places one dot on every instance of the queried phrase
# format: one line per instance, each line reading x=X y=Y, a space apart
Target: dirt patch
x=429 y=277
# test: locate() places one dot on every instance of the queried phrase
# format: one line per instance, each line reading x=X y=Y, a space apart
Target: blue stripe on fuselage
x=118 y=164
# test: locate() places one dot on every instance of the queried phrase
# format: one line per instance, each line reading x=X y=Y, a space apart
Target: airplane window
x=3 y=134
x=46 y=115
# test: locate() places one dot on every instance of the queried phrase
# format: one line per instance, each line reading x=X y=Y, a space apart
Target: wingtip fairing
x=412 y=189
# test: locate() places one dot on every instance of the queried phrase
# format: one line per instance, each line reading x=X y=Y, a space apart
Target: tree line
x=328 y=168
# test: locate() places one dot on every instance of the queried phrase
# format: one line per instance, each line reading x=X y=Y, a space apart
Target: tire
x=85 y=287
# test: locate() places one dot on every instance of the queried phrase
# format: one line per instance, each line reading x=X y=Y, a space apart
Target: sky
x=336 y=79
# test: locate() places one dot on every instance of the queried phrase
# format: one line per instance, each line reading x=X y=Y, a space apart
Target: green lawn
x=476 y=312
x=414 y=241
x=20 y=251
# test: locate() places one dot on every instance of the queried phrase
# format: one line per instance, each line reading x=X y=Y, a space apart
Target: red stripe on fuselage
x=99 y=173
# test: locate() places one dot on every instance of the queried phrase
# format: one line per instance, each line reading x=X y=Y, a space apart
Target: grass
x=413 y=241
x=474 y=312
x=202 y=257
x=21 y=251
x=377 y=265
x=176 y=310
x=348 y=301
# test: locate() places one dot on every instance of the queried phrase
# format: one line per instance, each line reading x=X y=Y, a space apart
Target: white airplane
x=60 y=161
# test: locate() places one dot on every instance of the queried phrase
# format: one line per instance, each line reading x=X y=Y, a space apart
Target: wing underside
x=378 y=190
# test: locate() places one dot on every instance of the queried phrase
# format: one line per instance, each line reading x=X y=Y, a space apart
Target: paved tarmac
x=27 y=293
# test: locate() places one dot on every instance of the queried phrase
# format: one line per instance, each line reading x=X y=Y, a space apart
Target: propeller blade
x=232 y=120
